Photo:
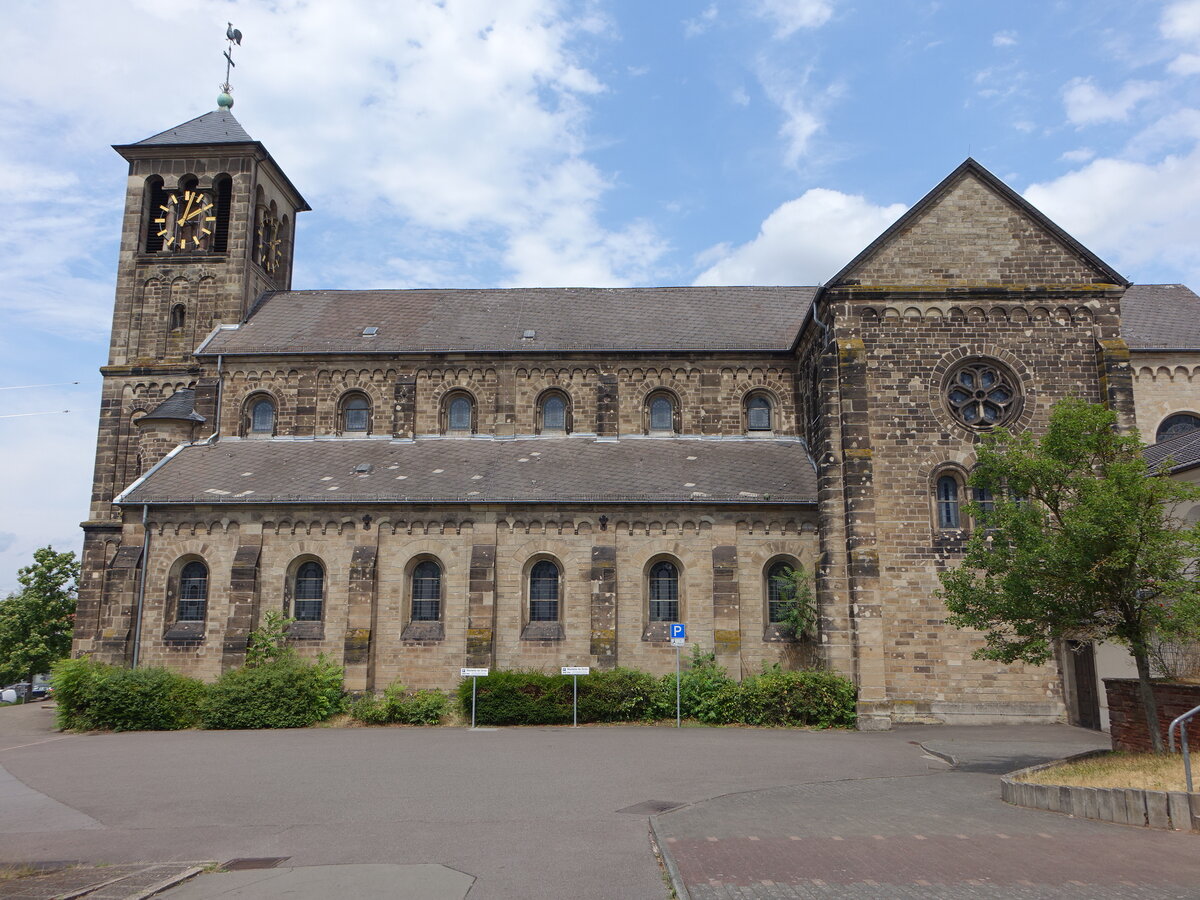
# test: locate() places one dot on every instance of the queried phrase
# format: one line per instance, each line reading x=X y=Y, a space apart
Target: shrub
x=283 y=693
x=775 y=697
x=518 y=698
x=620 y=695
x=706 y=692
x=399 y=706
x=95 y=695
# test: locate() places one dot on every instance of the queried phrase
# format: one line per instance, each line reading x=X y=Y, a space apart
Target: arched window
x=758 y=413
x=460 y=414
x=427 y=592
x=947 y=502
x=660 y=412
x=1177 y=424
x=984 y=500
x=781 y=591
x=193 y=592
x=178 y=316
x=553 y=413
x=664 y=592
x=309 y=593
x=543 y=592
x=356 y=414
x=261 y=416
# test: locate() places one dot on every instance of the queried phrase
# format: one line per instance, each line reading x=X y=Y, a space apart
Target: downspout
x=141 y=594
x=216 y=433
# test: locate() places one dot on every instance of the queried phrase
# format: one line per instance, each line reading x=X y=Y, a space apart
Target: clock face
x=187 y=221
x=268 y=242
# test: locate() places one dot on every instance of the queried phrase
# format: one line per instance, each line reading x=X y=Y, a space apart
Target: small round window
x=982 y=394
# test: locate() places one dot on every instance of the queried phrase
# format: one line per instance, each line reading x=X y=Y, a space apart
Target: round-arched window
x=458 y=414
x=662 y=413
x=1177 y=424
x=758 y=413
x=356 y=413
x=262 y=416
x=982 y=394
x=554 y=413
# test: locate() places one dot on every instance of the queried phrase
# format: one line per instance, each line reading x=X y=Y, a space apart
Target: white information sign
x=678 y=642
x=472 y=673
x=576 y=670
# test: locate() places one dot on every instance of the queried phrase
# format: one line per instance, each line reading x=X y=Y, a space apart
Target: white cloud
x=1087 y=104
x=1081 y=155
x=1138 y=216
x=789 y=16
x=701 y=23
x=411 y=121
x=1004 y=39
x=804 y=241
x=800 y=103
x=1181 y=21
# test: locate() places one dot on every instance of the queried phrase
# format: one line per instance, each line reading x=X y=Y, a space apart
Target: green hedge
x=707 y=694
x=92 y=695
x=398 y=706
x=284 y=693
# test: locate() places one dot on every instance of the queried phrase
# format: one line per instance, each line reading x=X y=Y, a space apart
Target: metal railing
x=1181 y=722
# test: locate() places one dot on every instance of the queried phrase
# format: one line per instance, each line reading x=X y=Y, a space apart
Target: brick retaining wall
x=1128 y=721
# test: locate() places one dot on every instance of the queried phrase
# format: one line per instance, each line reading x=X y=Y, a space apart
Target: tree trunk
x=1146 y=694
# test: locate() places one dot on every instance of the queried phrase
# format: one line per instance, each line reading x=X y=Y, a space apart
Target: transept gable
x=972 y=230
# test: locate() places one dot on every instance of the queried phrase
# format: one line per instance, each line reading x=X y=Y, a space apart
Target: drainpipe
x=141 y=594
x=216 y=433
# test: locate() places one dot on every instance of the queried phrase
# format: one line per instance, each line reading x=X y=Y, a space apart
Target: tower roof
x=215 y=127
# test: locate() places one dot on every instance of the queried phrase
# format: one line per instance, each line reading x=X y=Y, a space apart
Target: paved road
x=944 y=834
x=560 y=812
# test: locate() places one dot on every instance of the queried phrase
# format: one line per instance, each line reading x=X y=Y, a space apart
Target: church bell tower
x=209 y=228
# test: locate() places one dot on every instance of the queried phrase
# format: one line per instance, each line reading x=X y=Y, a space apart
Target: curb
x=1162 y=810
x=681 y=891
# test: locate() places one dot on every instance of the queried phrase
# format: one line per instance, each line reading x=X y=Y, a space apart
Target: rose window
x=981 y=394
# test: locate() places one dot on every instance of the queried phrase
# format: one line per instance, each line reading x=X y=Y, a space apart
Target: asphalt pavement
x=563 y=812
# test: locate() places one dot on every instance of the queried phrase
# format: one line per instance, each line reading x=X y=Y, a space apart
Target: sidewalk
x=945 y=834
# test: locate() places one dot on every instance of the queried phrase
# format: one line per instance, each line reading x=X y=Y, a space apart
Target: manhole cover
x=651 y=807
x=254 y=862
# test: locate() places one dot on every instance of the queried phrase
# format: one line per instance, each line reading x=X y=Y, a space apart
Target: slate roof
x=1182 y=450
x=215 y=127
x=482 y=470
x=479 y=321
x=1160 y=317
x=180 y=405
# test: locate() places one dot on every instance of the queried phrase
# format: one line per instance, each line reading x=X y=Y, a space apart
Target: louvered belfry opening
x=157 y=199
x=224 y=191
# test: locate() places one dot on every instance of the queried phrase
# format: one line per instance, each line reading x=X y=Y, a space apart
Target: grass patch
x=13 y=871
x=1144 y=771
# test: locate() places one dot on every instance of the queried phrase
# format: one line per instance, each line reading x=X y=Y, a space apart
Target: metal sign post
x=678 y=639
x=474 y=675
x=575 y=672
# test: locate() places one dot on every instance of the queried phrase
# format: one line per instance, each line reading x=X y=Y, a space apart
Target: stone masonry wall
x=1129 y=722
x=1164 y=384
x=365 y=622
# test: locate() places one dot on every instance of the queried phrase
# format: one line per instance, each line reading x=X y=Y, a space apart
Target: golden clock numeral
x=169 y=241
x=160 y=221
x=205 y=231
x=210 y=218
x=165 y=209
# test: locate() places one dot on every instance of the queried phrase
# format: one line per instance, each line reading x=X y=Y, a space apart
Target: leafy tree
x=268 y=642
x=1075 y=541
x=799 y=605
x=36 y=622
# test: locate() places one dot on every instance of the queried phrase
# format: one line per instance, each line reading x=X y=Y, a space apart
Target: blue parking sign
x=678 y=631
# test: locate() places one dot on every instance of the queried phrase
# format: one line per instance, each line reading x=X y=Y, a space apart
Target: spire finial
x=232 y=36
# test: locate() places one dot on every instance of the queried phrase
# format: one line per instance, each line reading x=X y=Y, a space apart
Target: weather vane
x=232 y=36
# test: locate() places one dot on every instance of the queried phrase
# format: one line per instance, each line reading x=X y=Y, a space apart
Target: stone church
x=529 y=478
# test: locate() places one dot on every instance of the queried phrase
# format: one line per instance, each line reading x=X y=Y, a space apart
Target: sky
x=499 y=143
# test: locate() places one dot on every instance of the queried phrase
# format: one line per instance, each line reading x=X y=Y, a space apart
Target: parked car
x=22 y=692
